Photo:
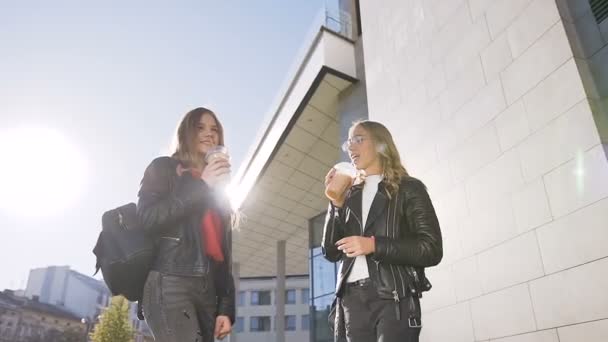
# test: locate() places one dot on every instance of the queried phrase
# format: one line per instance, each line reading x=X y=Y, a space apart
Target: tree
x=114 y=324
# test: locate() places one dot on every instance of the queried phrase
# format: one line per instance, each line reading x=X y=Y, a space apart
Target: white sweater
x=370 y=188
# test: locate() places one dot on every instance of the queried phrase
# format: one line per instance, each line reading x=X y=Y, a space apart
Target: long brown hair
x=187 y=136
x=390 y=160
x=186 y=152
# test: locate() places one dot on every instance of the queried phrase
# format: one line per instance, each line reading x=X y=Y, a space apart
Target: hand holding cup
x=337 y=181
x=217 y=171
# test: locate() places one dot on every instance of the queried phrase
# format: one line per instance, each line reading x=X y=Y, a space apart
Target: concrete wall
x=48 y=284
x=352 y=102
x=488 y=107
x=35 y=281
x=81 y=299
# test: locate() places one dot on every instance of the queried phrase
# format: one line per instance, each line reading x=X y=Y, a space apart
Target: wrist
x=337 y=205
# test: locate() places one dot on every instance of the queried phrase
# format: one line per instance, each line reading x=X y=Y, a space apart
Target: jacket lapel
x=378 y=206
x=355 y=202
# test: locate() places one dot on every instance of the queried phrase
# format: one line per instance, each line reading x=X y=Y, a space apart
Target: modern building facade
x=500 y=108
x=58 y=285
x=256 y=309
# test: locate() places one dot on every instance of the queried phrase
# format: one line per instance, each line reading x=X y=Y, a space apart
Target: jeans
x=369 y=318
x=180 y=309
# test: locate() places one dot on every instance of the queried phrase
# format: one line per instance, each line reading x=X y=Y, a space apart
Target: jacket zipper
x=396 y=296
x=395 y=293
x=171 y=238
x=394 y=236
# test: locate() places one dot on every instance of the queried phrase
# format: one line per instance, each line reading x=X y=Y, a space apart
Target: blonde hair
x=390 y=160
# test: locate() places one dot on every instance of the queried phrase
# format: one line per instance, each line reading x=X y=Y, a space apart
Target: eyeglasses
x=355 y=140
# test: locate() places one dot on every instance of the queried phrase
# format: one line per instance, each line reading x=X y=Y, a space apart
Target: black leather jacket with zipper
x=171 y=207
x=406 y=232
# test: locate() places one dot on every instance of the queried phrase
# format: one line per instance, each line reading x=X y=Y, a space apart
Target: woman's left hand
x=354 y=246
x=223 y=327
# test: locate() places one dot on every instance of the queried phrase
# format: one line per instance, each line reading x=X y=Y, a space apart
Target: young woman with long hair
x=189 y=294
x=384 y=230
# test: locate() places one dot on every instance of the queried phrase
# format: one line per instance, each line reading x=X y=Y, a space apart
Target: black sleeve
x=333 y=231
x=226 y=299
x=226 y=293
x=422 y=246
x=159 y=205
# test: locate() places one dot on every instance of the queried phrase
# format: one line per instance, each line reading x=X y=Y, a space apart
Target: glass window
x=290 y=296
x=323 y=303
x=323 y=282
x=259 y=323
x=260 y=298
x=100 y=299
x=305 y=322
x=305 y=296
x=324 y=276
x=242 y=296
x=290 y=323
x=239 y=325
x=321 y=307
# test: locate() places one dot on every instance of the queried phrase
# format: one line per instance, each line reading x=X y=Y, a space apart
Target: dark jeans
x=369 y=318
x=180 y=309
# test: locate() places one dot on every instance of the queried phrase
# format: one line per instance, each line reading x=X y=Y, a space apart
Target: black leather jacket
x=171 y=208
x=406 y=232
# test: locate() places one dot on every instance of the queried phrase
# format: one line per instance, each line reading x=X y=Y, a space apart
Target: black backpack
x=124 y=252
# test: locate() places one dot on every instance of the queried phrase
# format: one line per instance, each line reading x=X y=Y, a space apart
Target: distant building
x=142 y=332
x=79 y=294
x=29 y=320
x=58 y=285
x=256 y=309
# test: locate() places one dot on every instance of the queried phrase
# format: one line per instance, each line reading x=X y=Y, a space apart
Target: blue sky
x=114 y=79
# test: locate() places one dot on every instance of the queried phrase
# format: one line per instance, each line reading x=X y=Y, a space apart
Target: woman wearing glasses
x=385 y=231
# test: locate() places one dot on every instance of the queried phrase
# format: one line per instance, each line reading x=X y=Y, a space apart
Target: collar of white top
x=374 y=179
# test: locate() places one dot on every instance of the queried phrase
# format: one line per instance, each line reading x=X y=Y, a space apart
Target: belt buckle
x=365 y=281
x=414 y=322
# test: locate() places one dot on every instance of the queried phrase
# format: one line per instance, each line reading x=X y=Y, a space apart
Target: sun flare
x=41 y=171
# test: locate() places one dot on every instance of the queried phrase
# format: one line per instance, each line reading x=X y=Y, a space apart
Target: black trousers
x=180 y=309
x=369 y=318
